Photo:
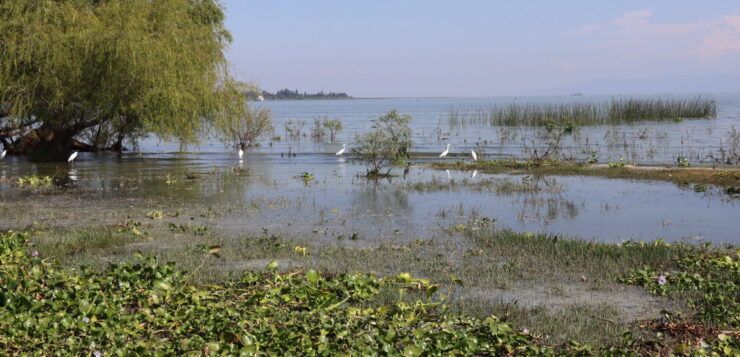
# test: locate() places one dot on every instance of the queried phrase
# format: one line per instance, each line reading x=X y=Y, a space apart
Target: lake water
x=339 y=202
x=647 y=142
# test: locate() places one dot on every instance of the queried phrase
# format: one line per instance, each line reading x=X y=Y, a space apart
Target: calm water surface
x=338 y=200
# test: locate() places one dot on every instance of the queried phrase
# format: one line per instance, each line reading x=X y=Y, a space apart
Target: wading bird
x=2 y=154
x=72 y=157
x=241 y=153
x=444 y=153
x=475 y=157
x=340 y=152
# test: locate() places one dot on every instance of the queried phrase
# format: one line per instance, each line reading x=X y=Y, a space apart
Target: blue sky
x=478 y=48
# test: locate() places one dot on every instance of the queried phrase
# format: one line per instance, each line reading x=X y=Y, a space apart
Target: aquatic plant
x=617 y=164
x=306 y=177
x=710 y=280
x=333 y=125
x=241 y=126
x=294 y=129
x=323 y=124
x=387 y=144
x=35 y=181
x=152 y=308
x=618 y=111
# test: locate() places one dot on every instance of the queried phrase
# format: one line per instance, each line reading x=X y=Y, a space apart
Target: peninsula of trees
x=287 y=94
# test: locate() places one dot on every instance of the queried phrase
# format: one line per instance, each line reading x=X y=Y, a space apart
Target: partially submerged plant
x=35 y=181
x=242 y=126
x=386 y=145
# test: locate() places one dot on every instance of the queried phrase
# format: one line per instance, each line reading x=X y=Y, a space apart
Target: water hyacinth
x=662 y=280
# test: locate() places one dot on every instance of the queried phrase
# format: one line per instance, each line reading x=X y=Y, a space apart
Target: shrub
x=242 y=126
x=333 y=125
x=387 y=144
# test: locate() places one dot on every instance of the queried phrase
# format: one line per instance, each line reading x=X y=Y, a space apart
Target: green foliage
x=129 y=66
x=333 y=125
x=682 y=161
x=387 y=144
x=35 y=181
x=320 y=127
x=150 y=308
x=617 y=164
x=239 y=125
x=307 y=177
x=711 y=280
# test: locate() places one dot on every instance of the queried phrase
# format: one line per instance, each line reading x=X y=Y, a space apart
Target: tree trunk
x=46 y=143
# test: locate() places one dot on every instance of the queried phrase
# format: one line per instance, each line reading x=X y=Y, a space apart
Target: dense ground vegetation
x=149 y=307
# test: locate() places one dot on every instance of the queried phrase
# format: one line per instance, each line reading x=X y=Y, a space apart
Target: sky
x=415 y=48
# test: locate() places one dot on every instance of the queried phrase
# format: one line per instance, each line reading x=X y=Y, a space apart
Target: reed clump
x=617 y=111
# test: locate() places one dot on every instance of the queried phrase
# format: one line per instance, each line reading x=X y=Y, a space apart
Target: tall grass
x=618 y=111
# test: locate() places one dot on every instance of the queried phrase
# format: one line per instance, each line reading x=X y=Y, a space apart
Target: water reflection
x=263 y=191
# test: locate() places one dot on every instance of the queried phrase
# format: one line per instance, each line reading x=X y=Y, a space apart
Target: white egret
x=72 y=157
x=2 y=154
x=475 y=157
x=241 y=153
x=340 y=152
x=444 y=153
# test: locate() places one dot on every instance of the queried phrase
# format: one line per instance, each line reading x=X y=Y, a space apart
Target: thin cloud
x=634 y=31
x=634 y=18
x=723 y=39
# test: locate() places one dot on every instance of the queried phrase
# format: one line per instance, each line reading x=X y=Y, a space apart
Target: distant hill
x=287 y=94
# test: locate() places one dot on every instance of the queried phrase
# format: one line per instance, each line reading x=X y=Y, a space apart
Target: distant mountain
x=678 y=84
x=287 y=94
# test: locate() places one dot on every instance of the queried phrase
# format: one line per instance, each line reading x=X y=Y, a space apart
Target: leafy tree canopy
x=146 y=66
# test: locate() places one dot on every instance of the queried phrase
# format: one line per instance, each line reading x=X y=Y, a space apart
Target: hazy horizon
x=483 y=49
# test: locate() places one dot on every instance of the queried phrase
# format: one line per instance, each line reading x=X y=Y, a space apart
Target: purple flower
x=85 y=320
x=97 y=354
x=662 y=280
x=34 y=254
x=525 y=330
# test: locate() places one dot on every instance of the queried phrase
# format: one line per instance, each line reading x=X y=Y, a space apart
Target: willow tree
x=134 y=66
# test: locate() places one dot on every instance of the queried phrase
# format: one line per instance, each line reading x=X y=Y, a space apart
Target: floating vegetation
x=307 y=177
x=618 y=111
x=712 y=280
x=35 y=181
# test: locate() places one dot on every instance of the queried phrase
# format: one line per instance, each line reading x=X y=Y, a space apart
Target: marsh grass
x=618 y=111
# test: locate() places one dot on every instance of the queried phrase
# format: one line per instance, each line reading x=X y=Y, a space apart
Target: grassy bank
x=618 y=111
x=728 y=178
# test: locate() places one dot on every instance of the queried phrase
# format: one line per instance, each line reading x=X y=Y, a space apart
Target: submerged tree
x=108 y=68
x=239 y=125
x=333 y=125
x=387 y=144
